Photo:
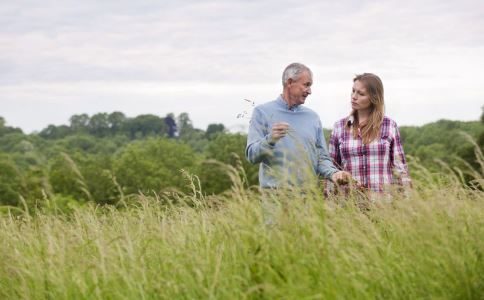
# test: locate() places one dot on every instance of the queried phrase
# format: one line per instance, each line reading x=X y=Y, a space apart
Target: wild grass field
x=424 y=244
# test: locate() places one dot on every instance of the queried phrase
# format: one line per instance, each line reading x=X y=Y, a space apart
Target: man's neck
x=287 y=99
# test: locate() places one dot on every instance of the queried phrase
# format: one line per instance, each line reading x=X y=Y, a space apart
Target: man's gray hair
x=293 y=71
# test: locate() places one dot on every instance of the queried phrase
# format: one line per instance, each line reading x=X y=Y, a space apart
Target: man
x=286 y=139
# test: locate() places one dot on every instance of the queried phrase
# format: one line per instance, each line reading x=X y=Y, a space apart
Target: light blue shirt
x=295 y=159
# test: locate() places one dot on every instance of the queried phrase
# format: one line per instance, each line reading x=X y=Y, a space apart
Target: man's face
x=299 y=89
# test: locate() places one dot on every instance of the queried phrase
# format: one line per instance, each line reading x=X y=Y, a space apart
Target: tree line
x=107 y=157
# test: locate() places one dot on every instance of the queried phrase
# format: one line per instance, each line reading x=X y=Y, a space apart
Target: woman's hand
x=341 y=177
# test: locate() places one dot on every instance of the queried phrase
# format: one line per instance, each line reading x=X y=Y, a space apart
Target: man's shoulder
x=267 y=105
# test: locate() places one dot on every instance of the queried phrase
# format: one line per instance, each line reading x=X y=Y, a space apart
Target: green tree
x=116 y=121
x=145 y=125
x=468 y=153
x=214 y=129
x=96 y=169
x=195 y=138
x=79 y=122
x=184 y=124
x=66 y=178
x=80 y=142
x=12 y=185
x=84 y=178
x=4 y=129
x=99 y=125
x=227 y=149
x=55 y=132
x=9 y=142
x=154 y=164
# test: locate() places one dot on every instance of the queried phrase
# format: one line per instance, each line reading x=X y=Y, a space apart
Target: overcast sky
x=59 y=58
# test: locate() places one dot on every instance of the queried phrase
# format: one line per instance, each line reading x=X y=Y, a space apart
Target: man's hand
x=279 y=130
x=341 y=177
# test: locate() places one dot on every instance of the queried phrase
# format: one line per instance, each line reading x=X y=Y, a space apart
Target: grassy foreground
x=427 y=245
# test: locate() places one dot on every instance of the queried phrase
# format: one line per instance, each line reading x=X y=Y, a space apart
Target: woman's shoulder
x=339 y=127
x=389 y=122
x=341 y=123
x=389 y=127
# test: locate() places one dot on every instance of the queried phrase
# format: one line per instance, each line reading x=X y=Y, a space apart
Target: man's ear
x=290 y=81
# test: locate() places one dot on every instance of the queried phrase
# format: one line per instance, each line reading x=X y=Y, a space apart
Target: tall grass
x=426 y=244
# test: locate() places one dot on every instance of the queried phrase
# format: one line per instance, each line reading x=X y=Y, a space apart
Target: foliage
x=4 y=129
x=225 y=149
x=102 y=157
x=153 y=165
x=213 y=130
x=444 y=132
x=84 y=178
x=12 y=186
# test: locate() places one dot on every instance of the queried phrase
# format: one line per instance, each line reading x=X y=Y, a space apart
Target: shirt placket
x=364 y=152
x=364 y=161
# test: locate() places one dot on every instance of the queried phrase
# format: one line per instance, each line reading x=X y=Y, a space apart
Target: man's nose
x=309 y=90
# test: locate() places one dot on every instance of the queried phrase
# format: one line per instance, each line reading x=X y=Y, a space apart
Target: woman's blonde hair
x=371 y=130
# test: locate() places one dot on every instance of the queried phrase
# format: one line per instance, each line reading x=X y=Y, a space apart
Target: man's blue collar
x=281 y=102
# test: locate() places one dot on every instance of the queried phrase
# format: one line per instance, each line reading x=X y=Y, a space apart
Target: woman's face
x=360 y=99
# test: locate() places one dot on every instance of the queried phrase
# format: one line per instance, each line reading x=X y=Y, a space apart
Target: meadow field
x=424 y=244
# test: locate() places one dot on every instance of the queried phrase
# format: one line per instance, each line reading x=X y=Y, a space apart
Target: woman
x=367 y=143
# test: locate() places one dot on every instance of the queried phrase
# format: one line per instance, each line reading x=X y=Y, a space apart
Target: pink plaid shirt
x=376 y=165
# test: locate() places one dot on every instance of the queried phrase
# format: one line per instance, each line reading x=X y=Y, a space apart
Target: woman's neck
x=363 y=116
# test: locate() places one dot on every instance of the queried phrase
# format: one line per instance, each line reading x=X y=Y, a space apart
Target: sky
x=60 y=58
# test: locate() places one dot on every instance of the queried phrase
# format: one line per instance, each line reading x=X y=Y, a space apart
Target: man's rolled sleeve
x=326 y=167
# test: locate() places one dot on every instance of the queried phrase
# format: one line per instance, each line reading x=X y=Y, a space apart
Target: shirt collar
x=282 y=103
x=350 y=120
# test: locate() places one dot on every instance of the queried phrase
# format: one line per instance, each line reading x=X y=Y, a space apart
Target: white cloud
x=203 y=57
